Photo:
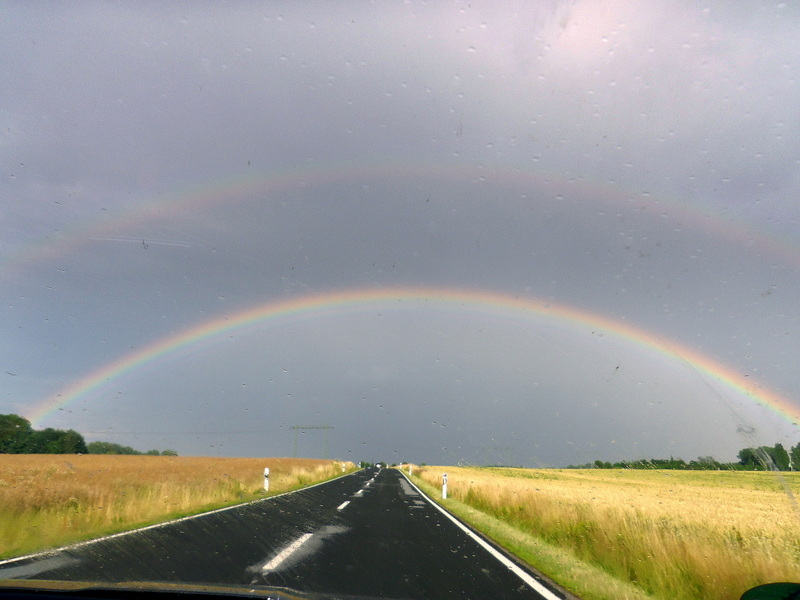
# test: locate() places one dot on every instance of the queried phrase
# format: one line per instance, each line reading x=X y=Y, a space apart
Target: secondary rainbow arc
x=190 y=198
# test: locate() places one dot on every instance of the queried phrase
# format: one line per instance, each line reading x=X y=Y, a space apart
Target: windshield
x=540 y=235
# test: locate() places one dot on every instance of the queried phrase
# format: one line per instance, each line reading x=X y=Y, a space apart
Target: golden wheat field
x=673 y=534
x=51 y=500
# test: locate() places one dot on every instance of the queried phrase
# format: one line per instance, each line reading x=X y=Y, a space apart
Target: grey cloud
x=633 y=160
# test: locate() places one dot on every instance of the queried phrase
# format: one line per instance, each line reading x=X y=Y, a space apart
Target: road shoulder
x=534 y=555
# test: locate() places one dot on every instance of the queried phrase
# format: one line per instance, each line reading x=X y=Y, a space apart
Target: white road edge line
x=545 y=592
x=53 y=551
x=343 y=504
x=286 y=553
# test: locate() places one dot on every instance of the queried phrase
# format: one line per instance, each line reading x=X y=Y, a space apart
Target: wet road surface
x=371 y=533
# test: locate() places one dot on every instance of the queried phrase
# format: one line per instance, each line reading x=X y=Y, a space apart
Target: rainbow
x=360 y=299
x=604 y=196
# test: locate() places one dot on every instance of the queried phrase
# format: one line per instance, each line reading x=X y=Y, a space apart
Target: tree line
x=17 y=436
x=763 y=458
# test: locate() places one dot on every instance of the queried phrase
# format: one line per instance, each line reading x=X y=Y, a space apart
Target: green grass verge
x=586 y=581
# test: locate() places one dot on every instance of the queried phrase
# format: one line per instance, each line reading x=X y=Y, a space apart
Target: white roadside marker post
x=444 y=486
x=266 y=479
x=410 y=469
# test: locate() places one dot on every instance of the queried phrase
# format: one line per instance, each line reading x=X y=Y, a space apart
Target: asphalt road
x=369 y=534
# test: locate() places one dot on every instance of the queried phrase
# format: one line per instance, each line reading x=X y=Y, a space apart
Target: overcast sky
x=166 y=166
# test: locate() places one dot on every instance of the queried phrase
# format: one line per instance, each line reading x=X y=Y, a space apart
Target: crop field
x=636 y=533
x=50 y=500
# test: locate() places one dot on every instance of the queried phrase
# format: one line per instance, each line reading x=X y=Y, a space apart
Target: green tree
x=45 y=441
x=18 y=437
x=57 y=441
x=72 y=442
x=110 y=448
x=780 y=457
x=704 y=463
x=765 y=458
x=794 y=457
x=750 y=459
x=15 y=433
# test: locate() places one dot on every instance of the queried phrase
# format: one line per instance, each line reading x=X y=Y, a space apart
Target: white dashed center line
x=343 y=504
x=286 y=553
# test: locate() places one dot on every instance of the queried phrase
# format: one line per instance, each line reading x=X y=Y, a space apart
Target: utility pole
x=299 y=428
